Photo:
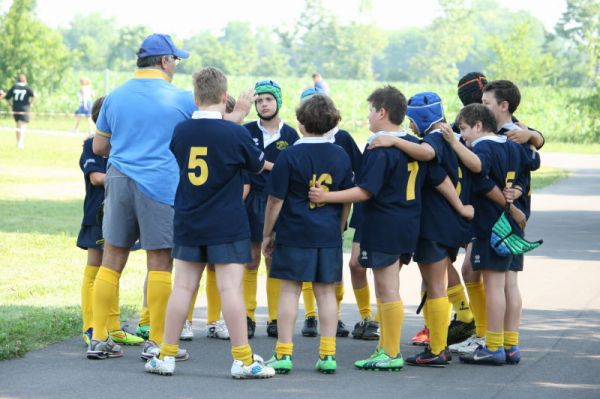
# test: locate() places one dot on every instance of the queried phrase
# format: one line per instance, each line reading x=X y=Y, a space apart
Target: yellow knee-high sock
x=242 y=353
x=437 y=322
x=327 y=347
x=159 y=290
x=381 y=325
x=308 y=297
x=458 y=298
x=190 y=315
x=144 y=316
x=425 y=311
x=392 y=318
x=363 y=301
x=249 y=289
x=273 y=288
x=339 y=295
x=284 y=348
x=106 y=292
x=87 y=296
x=114 y=315
x=213 y=298
x=511 y=338
x=477 y=301
x=494 y=340
x=168 y=350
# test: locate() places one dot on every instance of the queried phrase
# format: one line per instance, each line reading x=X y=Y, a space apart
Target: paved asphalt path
x=560 y=334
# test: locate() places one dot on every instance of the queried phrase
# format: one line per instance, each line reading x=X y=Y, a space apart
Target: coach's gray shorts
x=129 y=214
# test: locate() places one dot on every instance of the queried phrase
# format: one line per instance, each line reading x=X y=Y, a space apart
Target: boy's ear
x=504 y=106
x=196 y=101
x=382 y=113
x=224 y=99
x=478 y=126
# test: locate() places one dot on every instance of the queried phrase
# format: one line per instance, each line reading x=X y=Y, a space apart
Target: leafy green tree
x=90 y=39
x=519 y=57
x=580 y=23
x=449 y=38
x=30 y=47
x=123 y=54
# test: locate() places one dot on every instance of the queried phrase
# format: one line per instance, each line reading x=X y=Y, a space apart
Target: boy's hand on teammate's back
x=468 y=212
x=448 y=133
x=519 y=136
x=382 y=141
x=316 y=194
x=268 y=243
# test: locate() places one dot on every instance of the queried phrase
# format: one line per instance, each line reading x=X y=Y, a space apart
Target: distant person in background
x=319 y=83
x=85 y=95
x=20 y=96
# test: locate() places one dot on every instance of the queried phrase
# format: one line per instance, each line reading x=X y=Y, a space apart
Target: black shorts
x=89 y=236
x=378 y=260
x=483 y=257
x=21 y=116
x=318 y=265
x=430 y=252
x=357 y=236
x=231 y=252
x=256 y=203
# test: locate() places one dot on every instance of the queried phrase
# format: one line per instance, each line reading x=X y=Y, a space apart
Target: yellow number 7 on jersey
x=413 y=170
x=197 y=162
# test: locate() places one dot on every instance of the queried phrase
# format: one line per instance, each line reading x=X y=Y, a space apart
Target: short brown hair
x=210 y=85
x=96 y=108
x=505 y=90
x=473 y=113
x=318 y=114
x=392 y=100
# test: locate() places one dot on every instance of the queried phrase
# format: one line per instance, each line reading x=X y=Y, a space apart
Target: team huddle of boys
x=260 y=188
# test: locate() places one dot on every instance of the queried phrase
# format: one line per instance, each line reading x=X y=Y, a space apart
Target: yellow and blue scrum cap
x=425 y=109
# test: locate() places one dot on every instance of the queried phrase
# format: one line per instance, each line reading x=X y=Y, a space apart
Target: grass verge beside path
x=41 y=200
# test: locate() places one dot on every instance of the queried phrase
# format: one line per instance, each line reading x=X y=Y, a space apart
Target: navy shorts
x=517 y=263
x=430 y=252
x=357 y=236
x=378 y=260
x=483 y=257
x=231 y=252
x=21 y=116
x=89 y=236
x=318 y=265
x=256 y=202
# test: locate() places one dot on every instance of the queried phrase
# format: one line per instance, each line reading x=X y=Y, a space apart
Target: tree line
x=467 y=36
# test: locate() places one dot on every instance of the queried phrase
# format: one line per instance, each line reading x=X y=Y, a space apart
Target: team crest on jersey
x=255 y=140
x=281 y=144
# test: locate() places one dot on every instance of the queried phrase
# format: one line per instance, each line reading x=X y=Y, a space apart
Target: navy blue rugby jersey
x=391 y=217
x=212 y=155
x=502 y=161
x=94 y=195
x=532 y=163
x=439 y=221
x=345 y=140
x=302 y=223
x=280 y=141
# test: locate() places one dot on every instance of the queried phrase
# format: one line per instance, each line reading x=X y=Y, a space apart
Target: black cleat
x=459 y=331
x=272 y=328
x=428 y=359
x=251 y=327
x=342 y=331
x=310 y=328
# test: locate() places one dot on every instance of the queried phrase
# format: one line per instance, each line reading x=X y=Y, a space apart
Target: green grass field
x=41 y=200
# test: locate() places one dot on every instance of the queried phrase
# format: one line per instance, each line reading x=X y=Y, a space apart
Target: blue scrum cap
x=425 y=109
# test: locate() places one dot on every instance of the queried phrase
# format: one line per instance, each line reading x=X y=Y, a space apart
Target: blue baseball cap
x=425 y=109
x=160 y=44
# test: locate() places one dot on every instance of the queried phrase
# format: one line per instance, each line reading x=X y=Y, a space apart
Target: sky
x=185 y=18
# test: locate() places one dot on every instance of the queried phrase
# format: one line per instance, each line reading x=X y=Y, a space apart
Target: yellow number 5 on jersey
x=198 y=179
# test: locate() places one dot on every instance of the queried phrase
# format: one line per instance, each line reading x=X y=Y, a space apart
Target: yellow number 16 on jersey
x=324 y=180
x=195 y=162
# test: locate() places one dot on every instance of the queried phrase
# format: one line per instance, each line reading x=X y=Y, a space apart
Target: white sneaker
x=151 y=349
x=162 y=367
x=258 y=369
x=217 y=329
x=468 y=346
x=187 y=334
